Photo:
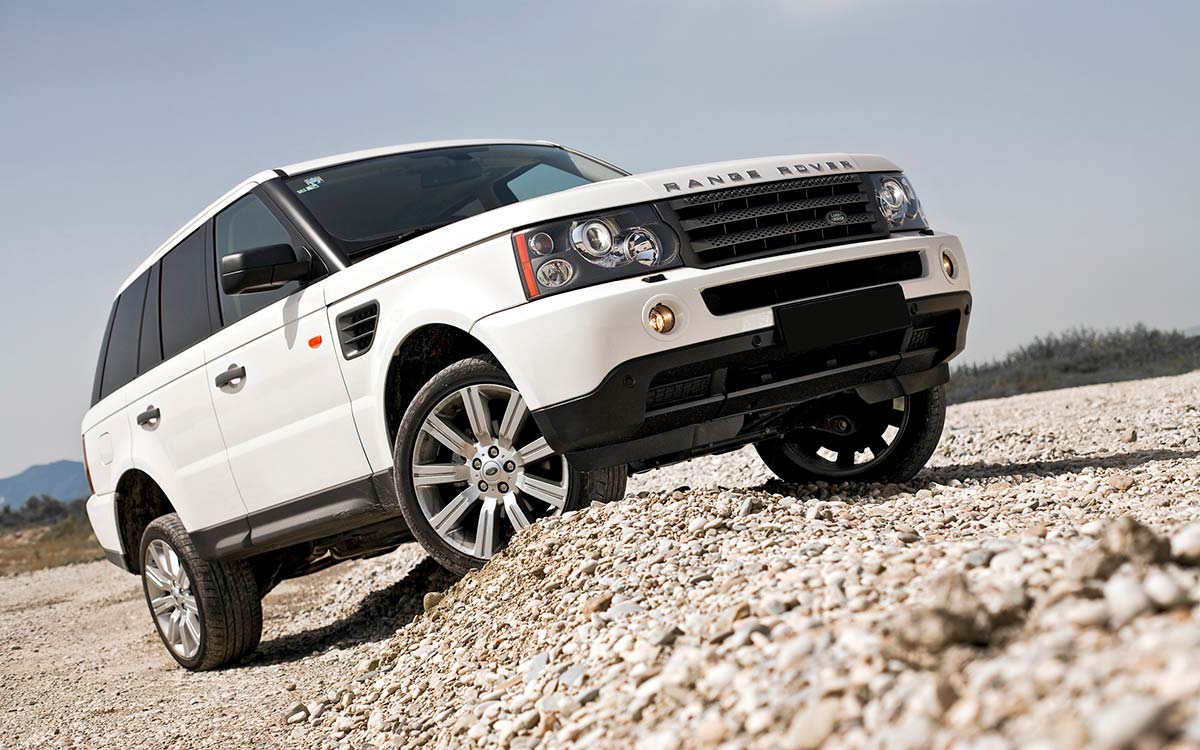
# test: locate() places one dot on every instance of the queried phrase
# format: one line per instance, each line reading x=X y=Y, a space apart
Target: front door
x=273 y=374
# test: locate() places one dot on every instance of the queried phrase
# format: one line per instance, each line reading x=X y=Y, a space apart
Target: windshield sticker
x=312 y=183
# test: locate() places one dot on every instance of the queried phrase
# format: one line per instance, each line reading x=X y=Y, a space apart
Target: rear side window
x=186 y=275
x=150 y=351
x=121 y=360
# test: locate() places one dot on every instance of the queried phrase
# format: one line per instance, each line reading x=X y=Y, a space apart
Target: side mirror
x=262 y=269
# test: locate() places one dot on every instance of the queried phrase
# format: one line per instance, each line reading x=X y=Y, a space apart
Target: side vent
x=356 y=329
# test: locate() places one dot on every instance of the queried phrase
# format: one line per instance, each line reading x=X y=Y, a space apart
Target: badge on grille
x=836 y=217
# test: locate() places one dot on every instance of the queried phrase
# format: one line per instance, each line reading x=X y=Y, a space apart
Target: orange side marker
x=314 y=342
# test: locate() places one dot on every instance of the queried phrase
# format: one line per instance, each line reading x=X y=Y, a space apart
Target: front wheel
x=473 y=469
x=845 y=439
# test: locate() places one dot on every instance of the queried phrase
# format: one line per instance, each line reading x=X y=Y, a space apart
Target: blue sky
x=1057 y=138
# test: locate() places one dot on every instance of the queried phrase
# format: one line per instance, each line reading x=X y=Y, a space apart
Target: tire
x=221 y=596
x=459 y=522
x=791 y=457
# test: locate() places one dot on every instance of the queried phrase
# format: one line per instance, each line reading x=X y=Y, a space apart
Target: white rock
x=1126 y=600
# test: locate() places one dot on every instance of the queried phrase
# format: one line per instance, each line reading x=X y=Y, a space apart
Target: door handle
x=151 y=414
x=230 y=376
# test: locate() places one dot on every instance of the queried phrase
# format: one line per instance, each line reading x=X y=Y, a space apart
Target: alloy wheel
x=482 y=470
x=172 y=599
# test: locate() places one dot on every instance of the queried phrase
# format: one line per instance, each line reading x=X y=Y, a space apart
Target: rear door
x=175 y=438
x=286 y=421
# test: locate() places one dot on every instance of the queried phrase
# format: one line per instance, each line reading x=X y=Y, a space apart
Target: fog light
x=662 y=318
x=948 y=265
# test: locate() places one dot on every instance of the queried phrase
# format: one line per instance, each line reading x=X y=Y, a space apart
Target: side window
x=150 y=351
x=121 y=360
x=246 y=224
x=186 y=274
x=543 y=179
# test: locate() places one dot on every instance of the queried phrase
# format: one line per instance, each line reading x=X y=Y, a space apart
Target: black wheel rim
x=853 y=438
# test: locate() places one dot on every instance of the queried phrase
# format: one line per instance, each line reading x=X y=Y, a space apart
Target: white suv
x=450 y=341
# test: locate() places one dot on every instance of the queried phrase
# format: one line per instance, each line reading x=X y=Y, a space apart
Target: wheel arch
x=423 y=352
x=139 y=500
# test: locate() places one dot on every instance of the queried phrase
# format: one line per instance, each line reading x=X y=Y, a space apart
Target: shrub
x=1081 y=356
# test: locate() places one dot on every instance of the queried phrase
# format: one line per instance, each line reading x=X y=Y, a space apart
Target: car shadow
x=985 y=470
x=378 y=616
x=982 y=470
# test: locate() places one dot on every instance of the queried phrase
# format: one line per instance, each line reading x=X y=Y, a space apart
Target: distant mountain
x=1194 y=331
x=64 y=480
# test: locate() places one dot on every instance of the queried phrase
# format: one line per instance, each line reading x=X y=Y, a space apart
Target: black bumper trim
x=117 y=558
x=743 y=375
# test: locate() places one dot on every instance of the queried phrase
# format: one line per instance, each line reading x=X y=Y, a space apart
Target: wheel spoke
x=181 y=577
x=477 y=413
x=896 y=417
x=173 y=628
x=191 y=632
x=554 y=494
x=514 y=417
x=156 y=577
x=485 y=533
x=535 y=451
x=162 y=604
x=877 y=445
x=158 y=552
x=845 y=458
x=447 y=518
x=516 y=516
x=427 y=474
x=448 y=435
x=189 y=605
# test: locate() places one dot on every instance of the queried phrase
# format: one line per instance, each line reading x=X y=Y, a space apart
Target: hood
x=638 y=188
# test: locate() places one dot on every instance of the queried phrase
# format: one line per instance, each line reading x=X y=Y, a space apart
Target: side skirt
x=358 y=503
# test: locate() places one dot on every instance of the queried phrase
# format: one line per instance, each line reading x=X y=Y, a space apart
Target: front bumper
x=712 y=396
x=571 y=354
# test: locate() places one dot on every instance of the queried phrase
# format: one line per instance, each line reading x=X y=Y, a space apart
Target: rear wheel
x=851 y=440
x=207 y=613
x=473 y=469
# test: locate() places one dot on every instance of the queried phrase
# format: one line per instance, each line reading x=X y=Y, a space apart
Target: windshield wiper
x=402 y=237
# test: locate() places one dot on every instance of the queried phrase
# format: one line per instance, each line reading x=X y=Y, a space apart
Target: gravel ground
x=1037 y=587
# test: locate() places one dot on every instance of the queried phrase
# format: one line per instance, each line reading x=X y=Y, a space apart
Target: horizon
x=1058 y=151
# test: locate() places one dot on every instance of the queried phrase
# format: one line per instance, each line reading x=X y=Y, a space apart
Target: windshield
x=370 y=204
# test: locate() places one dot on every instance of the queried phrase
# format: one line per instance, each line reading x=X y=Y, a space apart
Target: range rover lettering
x=449 y=341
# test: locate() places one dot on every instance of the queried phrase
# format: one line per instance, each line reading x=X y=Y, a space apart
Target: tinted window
x=121 y=361
x=150 y=351
x=369 y=204
x=246 y=224
x=186 y=274
x=97 y=381
x=543 y=179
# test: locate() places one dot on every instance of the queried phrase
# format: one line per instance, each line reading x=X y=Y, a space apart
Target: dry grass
x=36 y=547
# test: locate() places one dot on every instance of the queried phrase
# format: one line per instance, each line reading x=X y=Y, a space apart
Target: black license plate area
x=821 y=323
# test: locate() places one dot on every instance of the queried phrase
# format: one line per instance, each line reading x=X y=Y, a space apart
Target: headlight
x=575 y=253
x=898 y=202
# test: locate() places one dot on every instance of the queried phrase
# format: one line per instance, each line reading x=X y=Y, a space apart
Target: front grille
x=726 y=226
x=803 y=283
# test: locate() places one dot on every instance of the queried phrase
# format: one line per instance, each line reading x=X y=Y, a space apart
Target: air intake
x=356 y=329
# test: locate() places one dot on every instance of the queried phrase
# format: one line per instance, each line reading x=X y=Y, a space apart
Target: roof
x=329 y=161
